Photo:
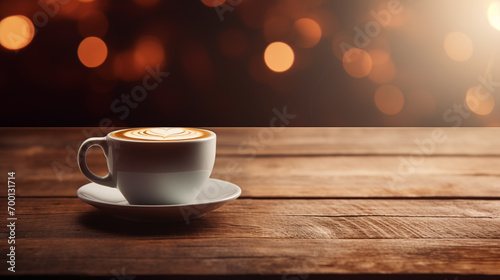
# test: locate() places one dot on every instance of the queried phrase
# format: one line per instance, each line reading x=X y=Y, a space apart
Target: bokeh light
x=383 y=70
x=480 y=100
x=213 y=3
x=458 y=46
x=148 y=52
x=379 y=57
x=279 y=57
x=494 y=15
x=92 y=52
x=16 y=32
x=73 y=9
x=389 y=99
x=308 y=32
x=245 y=52
x=357 y=63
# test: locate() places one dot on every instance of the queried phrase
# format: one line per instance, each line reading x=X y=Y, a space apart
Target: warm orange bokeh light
x=279 y=56
x=92 y=52
x=357 y=63
x=94 y=23
x=480 y=100
x=148 y=52
x=73 y=9
x=379 y=57
x=308 y=32
x=458 y=46
x=389 y=99
x=383 y=70
x=213 y=3
x=16 y=32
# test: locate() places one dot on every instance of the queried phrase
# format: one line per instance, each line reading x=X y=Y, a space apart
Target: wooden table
x=315 y=201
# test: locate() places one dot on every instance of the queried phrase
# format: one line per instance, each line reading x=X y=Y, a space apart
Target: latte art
x=161 y=134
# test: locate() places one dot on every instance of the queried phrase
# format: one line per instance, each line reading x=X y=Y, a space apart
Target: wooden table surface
x=315 y=201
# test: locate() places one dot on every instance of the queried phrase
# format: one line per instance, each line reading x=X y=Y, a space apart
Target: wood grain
x=298 y=162
x=299 y=176
x=266 y=236
x=293 y=141
x=264 y=256
x=293 y=218
x=315 y=201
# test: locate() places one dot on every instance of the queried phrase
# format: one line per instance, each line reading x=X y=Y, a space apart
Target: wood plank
x=362 y=176
x=303 y=219
x=84 y=256
x=291 y=141
x=265 y=237
x=46 y=163
x=332 y=176
x=358 y=141
x=274 y=236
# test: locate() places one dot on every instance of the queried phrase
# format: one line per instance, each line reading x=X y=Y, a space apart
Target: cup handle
x=82 y=161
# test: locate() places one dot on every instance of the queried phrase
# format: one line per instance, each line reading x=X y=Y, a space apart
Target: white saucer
x=214 y=194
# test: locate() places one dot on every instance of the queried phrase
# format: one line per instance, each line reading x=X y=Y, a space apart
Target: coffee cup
x=154 y=166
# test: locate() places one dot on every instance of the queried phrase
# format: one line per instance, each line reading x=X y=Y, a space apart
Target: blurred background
x=242 y=62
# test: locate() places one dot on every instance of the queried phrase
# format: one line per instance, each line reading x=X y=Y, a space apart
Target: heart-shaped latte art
x=163 y=134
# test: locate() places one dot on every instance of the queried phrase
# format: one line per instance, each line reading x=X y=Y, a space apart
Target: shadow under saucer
x=110 y=223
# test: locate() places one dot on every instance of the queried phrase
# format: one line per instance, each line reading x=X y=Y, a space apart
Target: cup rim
x=211 y=136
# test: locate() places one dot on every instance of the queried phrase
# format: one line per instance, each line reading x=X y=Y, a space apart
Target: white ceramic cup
x=153 y=172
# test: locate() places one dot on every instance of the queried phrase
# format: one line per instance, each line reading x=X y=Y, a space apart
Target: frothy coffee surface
x=160 y=134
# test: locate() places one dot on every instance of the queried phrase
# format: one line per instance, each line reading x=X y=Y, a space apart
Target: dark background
x=217 y=73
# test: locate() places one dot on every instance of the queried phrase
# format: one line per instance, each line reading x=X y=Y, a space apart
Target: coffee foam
x=161 y=134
